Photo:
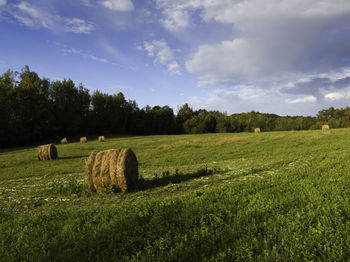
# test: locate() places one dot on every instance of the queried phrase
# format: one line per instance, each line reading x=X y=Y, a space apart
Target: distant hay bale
x=64 y=141
x=83 y=139
x=46 y=152
x=256 y=130
x=101 y=139
x=117 y=167
x=326 y=129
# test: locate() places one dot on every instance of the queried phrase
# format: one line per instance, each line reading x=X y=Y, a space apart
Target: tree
x=29 y=108
x=185 y=112
x=70 y=107
x=7 y=84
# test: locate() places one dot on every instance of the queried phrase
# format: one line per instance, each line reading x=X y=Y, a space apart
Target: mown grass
x=215 y=197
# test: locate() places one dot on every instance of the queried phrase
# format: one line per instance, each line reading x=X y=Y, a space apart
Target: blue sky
x=285 y=57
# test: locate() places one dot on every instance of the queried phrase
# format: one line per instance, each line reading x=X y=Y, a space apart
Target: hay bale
x=326 y=129
x=117 y=167
x=256 y=130
x=101 y=139
x=89 y=166
x=64 y=141
x=127 y=169
x=83 y=139
x=46 y=152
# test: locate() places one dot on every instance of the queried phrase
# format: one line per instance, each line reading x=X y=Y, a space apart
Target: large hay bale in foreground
x=83 y=139
x=256 y=130
x=101 y=139
x=46 y=152
x=117 y=167
x=64 y=141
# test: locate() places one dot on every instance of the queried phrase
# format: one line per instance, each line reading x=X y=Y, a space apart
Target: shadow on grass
x=72 y=187
x=72 y=157
x=167 y=178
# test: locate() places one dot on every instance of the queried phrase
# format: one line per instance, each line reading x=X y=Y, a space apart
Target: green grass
x=215 y=197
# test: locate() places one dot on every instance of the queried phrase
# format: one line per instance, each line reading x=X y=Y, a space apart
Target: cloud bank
x=276 y=45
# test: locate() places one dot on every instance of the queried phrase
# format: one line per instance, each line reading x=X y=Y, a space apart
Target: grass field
x=215 y=197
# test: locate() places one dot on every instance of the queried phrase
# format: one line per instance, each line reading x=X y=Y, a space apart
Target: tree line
x=34 y=109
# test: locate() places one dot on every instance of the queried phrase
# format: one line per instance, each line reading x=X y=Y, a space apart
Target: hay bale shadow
x=167 y=178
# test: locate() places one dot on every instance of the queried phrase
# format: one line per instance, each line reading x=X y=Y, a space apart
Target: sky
x=288 y=57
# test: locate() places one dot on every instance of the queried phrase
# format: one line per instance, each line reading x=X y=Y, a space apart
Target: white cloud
x=255 y=10
x=73 y=51
x=35 y=18
x=286 y=56
x=31 y=11
x=160 y=49
x=343 y=94
x=228 y=11
x=306 y=99
x=2 y=2
x=272 y=41
x=177 y=14
x=32 y=17
x=251 y=98
x=230 y=101
x=174 y=67
x=162 y=53
x=338 y=75
x=175 y=19
x=225 y=61
x=118 y=5
x=147 y=13
x=89 y=56
x=102 y=60
x=87 y=3
x=113 y=89
x=79 y=26
x=113 y=51
x=149 y=47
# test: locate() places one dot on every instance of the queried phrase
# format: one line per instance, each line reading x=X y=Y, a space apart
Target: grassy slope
x=272 y=196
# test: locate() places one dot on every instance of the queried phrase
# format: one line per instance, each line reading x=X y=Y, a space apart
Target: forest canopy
x=34 y=109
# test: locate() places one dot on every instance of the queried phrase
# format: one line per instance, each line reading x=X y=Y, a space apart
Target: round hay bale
x=101 y=139
x=89 y=168
x=64 y=141
x=83 y=139
x=116 y=167
x=46 y=152
x=127 y=169
x=256 y=130
x=326 y=129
